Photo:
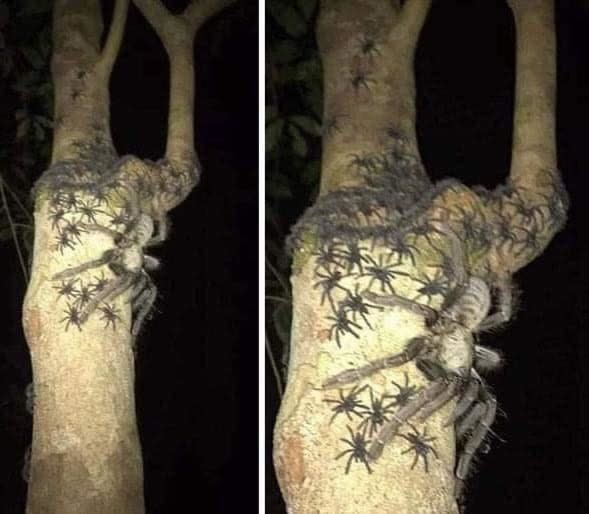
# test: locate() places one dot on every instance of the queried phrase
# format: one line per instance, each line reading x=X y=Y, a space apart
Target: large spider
x=128 y=263
x=419 y=444
x=357 y=451
x=348 y=404
x=448 y=357
x=382 y=273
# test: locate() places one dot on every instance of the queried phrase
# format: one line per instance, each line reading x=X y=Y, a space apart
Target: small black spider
x=402 y=249
x=348 y=404
x=56 y=215
x=327 y=255
x=361 y=79
x=425 y=230
x=341 y=326
x=377 y=414
x=83 y=296
x=420 y=445
x=62 y=241
x=74 y=230
x=382 y=273
x=368 y=46
x=329 y=281
x=110 y=315
x=98 y=284
x=67 y=289
x=406 y=392
x=355 y=304
x=358 y=451
x=88 y=211
x=68 y=200
x=72 y=317
x=432 y=286
x=352 y=256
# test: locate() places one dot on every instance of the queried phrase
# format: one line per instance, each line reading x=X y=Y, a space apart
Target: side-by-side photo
x=424 y=286
x=129 y=228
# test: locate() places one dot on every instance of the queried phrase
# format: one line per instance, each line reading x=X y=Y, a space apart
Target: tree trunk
x=385 y=405
x=90 y=289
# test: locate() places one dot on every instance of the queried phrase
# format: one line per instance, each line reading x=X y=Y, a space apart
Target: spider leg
x=104 y=230
x=504 y=307
x=72 y=272
x=394 y=300
x=116 y=287
x=150 y=263
x=142 y=304
x=486 y=359
x=388 y=431
x=437 y=403
x=470 y=420
x=411 y=351
x=161 y=234
x=474 y=442
x=469 y=395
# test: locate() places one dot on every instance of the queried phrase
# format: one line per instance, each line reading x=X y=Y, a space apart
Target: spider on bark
x=419 y=444
x=357 y=451
x=347 y=404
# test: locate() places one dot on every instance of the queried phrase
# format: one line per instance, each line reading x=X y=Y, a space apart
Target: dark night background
x=465 y=69
x=197 y=371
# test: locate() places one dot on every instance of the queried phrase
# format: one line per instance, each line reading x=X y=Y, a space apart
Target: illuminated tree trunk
x=89 y=287
x=385 y=404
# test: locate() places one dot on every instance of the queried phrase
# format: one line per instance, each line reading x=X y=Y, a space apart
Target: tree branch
x=115 y=36
x=534 y=141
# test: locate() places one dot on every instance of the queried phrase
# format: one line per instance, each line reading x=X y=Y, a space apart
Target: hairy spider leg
x=442 y=399
x=469 y=396
x=486 y=358
x=104 y=230
x=142 y=304
x=394 y=300
x=388 y=431
x=411 y=351
x=106 y=258
x=504 y=307
x=473 y=443
x=162 y=225
x=151 y=263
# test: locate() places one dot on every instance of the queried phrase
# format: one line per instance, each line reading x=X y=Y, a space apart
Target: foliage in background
x=26 y=127
x=293 y=136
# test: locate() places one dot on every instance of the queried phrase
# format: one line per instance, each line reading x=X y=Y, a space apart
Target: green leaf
x=299 y=145
x=273 y=133
x=288 y=19
x=308 y=124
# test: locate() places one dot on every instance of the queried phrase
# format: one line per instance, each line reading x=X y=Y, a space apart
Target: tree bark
x=89 y=289
x=385 y=257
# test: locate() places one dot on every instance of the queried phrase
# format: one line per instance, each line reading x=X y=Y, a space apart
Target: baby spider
x=73 y=317
x=329 y=281
x=419 y=444
x=67 y=289
x=382 y=273
x=367 y=46
x=361 y=79
x=378 y=413
x=347 y=404
x=110 y=315
x=432 y=286
x=355 y=304
x=406 y=392
x=341 y=326
x=357 y=451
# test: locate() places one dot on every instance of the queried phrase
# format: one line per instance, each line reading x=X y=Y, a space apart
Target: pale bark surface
x=378 y=210
x=86 y=455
